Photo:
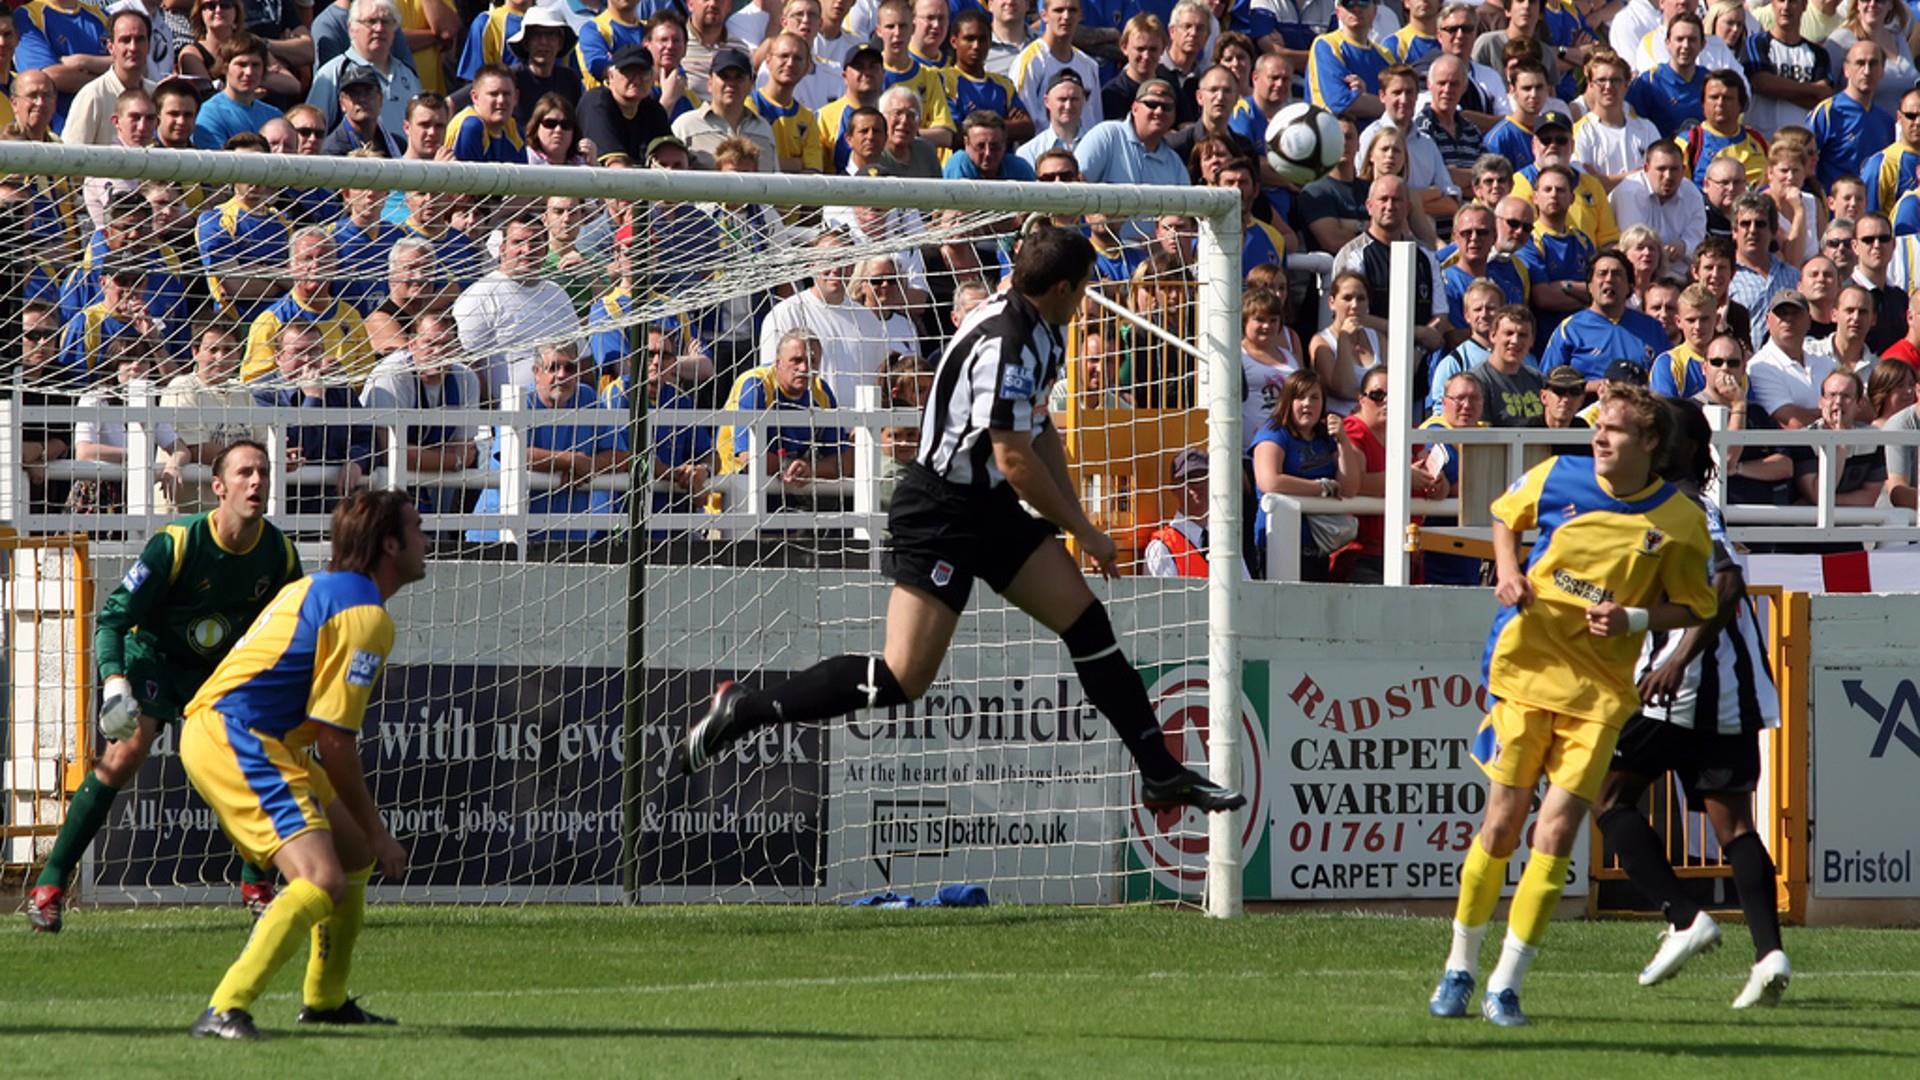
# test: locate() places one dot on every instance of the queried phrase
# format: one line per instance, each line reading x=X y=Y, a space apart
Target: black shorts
x=1706 y=762
x=941 y=536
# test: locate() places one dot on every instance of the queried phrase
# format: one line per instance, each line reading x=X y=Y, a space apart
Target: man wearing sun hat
x=542 y=49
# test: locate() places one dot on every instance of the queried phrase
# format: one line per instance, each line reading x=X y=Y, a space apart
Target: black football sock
x=1638 y=847
x=828 y=689
x=1753 y=877
x=1115 y=689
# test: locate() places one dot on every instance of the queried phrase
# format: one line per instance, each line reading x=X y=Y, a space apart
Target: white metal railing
x=501 y=452
x=745 y=497
x=1825 y=522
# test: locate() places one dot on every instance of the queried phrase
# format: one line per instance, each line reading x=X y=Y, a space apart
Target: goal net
x=653 y=421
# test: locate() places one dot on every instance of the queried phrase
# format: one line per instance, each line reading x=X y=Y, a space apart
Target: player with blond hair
x=1620 y=552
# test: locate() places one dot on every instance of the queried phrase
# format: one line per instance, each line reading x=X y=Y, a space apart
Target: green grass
x=705 y=991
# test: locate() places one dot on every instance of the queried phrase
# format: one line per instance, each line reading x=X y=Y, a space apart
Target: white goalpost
x=573 y=367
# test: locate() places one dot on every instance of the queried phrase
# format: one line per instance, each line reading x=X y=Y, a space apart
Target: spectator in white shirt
x=1784 y=376
x=1426 y=168
x=504 y=315
x=424 y=375
x=1609 y=142
x=853 y=339
x=1661 y=197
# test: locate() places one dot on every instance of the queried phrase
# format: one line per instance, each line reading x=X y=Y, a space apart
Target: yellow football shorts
x=1518 y=744
x=264 y=793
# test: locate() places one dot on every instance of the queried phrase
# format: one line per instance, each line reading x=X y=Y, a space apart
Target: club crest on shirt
x=1651 y=540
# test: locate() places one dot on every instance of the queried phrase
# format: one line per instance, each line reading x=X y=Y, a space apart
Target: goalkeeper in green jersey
x=196 y=588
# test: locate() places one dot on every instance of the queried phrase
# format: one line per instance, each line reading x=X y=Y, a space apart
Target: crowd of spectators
x=1722 y=202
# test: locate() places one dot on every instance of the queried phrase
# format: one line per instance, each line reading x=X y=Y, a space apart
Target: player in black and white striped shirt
x=1706 y=696
x=986 y=444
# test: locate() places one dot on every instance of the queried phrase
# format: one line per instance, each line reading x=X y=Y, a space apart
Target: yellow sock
x=1481 y=878
x=298 y=907
x=330 y=960
x=1537 y=895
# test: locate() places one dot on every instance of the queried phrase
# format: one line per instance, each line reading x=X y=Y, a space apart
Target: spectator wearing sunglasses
x=1134 y=150
x=1837 y=244
x=1590 y=212
x=1873 y=258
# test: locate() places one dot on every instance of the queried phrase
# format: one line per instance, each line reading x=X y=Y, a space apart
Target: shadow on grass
x=1786 y=1018
x=607 y=1031
x=1855 y=1004
x=1521 y=1044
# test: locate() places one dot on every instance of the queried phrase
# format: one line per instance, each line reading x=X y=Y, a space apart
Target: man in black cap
x=360 y=102
x=726 y=115
x=1561 y=398
x=620 y=116
x=669 y=154
x=1590 y=212
x=373 y=32
x=1065 y=102
x=865 y=77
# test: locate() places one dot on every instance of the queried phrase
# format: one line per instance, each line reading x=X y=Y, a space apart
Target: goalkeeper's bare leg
x=920 y=625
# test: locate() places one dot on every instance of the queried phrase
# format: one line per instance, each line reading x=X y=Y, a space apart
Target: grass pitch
x=747 y=991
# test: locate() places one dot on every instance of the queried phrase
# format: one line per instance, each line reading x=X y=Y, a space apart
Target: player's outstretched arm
x=341 y=759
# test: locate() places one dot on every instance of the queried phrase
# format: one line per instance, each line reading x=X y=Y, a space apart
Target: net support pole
x=1218 y=263
x=1401 y=415
x=634 y=682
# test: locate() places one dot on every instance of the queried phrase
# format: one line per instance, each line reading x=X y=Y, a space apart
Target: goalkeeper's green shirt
x=189 y=597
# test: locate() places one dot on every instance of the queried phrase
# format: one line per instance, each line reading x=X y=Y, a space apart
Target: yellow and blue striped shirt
x=310 y=659
x=343 y=334
x=1594 y=545
x=796 y=130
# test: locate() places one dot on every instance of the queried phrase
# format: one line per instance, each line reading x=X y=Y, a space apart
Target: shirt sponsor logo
x=362 y=668
x=136 y=577
x=1584 y=590
x=1016 y=384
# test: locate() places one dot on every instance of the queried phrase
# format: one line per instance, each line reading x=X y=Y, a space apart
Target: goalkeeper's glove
x=119 y=712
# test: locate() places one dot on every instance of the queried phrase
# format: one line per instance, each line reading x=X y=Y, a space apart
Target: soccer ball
x=1304 y=143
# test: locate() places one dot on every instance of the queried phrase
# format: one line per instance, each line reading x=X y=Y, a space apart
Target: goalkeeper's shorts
x=264 y=793
x=942 y=536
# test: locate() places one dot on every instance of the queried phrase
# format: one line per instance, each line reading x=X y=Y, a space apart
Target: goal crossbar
x=633 y=185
